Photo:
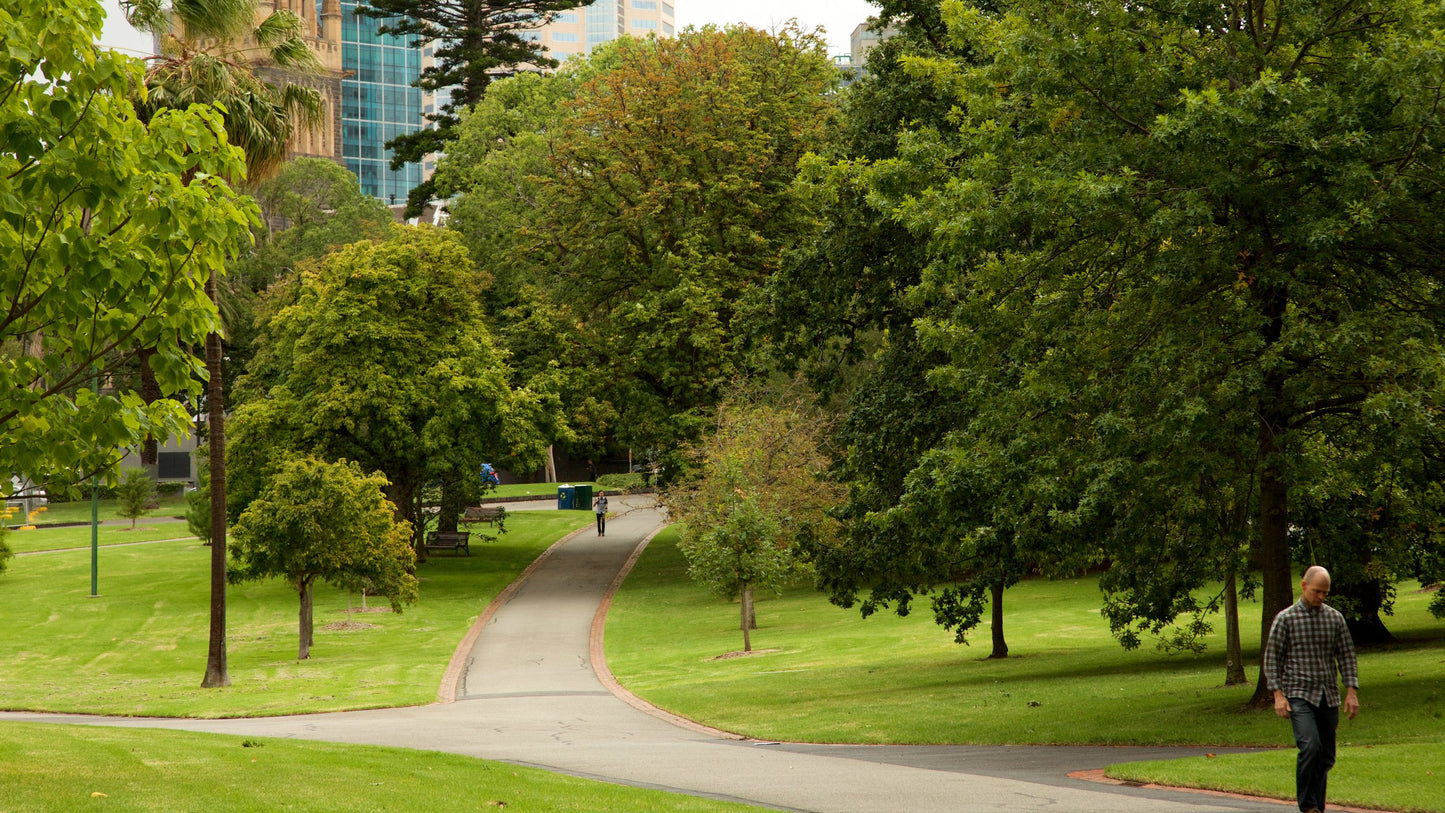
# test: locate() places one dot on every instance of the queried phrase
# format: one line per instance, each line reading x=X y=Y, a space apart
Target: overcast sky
x=838 y=17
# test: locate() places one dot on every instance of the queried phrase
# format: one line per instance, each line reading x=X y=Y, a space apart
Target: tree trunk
x=1366 y=626
x=749 y=622
x=551 y=466
x=304 y=587
x=1272 y=545
x=216 y=671
x=1233 y=651
x=1000 y=646
x=451 y=505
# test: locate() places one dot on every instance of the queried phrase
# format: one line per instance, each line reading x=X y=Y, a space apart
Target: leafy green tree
x=135 y=492
x=379 y=355
x=198 y=502
x=113 y=224
x=836 y=313
x=208 y=51
x=656 y=232
x=475 y=41
x=755 y=495
x=1217 y=218
x=328 y=521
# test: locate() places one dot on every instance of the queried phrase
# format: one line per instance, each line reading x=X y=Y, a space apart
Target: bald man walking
x=1309 y=643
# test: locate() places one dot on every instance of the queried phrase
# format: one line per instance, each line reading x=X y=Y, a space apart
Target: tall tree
x=208 y=50
x=379 y=355
x=1237 y=197
x=476 y=41
x=112 y=222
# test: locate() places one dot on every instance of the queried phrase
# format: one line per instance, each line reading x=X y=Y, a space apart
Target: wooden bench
x=448 y=540
x=489 y=514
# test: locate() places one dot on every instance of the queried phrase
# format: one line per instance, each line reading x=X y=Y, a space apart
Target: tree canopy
x=329 y=521
x=112 y=225
x=642 y=197
x=1178 y=254
x=379 y=355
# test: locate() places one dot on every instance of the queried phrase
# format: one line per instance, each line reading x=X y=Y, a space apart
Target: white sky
x=837 y=17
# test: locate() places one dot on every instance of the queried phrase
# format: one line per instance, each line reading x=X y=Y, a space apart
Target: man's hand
x=1281 y=704
x=1352 y=703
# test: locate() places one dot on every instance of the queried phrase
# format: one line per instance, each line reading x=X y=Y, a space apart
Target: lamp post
x=95 y=522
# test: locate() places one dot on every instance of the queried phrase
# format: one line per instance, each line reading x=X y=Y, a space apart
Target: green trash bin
x=566 y=498
x=583 y=498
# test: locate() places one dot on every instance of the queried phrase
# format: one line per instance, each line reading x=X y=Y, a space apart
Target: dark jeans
x=601 y=524
x=1314 y=733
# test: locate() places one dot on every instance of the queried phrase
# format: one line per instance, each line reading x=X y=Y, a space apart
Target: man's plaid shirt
x=1306 y=646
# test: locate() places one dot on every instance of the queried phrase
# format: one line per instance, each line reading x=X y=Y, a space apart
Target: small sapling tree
x=330 y=521
x=134 y=493
x=755 y=493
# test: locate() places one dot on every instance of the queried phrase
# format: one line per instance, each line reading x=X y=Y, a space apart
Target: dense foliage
x=329 y=521
x=111 y=227
x=1182 y=282
x=635 y=203
x=379 y=355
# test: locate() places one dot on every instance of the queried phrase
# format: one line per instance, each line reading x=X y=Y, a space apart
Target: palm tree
x=209 y=51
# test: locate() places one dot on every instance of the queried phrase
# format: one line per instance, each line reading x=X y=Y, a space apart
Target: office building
x=580 y=30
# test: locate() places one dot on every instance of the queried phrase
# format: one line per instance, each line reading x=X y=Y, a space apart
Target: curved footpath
x=526 y=692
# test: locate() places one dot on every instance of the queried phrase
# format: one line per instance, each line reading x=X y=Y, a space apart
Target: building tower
x=580 y=30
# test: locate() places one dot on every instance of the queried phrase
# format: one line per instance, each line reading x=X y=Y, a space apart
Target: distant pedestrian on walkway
x=1308 y=644
x=591 y=471
x=599 y=505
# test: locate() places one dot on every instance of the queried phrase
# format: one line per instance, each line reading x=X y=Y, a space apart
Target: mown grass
x=1404 y=778
x=63 y=538
x=63 y=768
x=140 y=648
x=171 y=505
x=823 y=674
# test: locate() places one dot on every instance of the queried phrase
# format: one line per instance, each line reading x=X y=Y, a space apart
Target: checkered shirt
x=1306 y=647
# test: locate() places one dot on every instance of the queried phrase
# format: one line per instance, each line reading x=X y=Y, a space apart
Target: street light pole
x=95 y=522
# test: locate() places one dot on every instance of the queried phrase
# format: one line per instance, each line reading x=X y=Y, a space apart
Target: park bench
x=448 y=540
x=489 y=514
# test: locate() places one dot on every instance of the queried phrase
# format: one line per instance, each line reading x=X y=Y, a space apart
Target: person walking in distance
x=1309 y=643
x=599 y=505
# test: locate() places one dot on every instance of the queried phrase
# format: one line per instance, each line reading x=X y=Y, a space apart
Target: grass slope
x=140 y=649
x=63 y=768
x=1404 y=778
x=823 y=674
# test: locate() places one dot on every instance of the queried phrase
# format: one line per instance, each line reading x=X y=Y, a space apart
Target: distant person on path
x=599 y=505
x=1308 y=643
x=591 y=471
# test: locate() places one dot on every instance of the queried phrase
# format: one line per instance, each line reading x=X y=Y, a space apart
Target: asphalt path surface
x=530 y=687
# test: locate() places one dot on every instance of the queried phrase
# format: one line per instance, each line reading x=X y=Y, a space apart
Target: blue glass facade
x=378 y=104
x=605 y=22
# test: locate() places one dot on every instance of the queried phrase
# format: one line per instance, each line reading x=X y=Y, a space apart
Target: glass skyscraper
x=580 y=30
x=378 y=103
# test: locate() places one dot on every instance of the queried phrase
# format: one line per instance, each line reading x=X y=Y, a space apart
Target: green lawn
x=171 y=505
x=47 y=768
x=1404 y=778
x=140 y=649
x=62 y=538
x=823 y=674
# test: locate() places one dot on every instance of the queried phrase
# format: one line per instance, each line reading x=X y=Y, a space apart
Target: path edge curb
x=457 y=666
x=597 y=655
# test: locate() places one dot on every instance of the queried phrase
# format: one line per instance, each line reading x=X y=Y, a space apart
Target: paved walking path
x=526 y=692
